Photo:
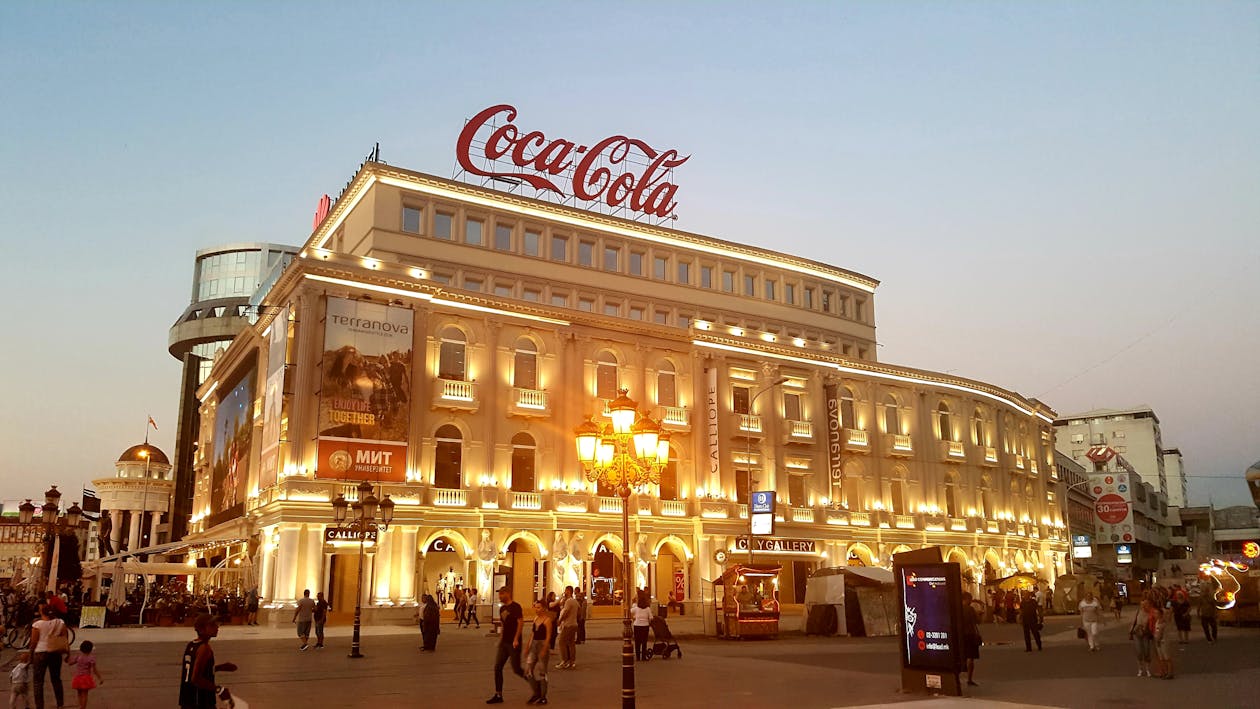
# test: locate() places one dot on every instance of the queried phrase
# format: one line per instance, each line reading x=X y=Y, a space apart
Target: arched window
x=525 y=365
x=523 y=450
x=451 y=355
x=977 y=428
x=449 y=458
x=952 y=506
x=666 y=385
x=848 y=413
x=853 y=493
x=897 y=491
x=606 y=376
x=944 y=423
x=892 y=422
x=669 y=478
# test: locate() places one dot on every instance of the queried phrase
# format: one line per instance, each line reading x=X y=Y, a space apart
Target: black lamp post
x=52 y=522
x=628 y=454
x=364 y=519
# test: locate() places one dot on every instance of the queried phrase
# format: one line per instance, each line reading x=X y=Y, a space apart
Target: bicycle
x=19 y=638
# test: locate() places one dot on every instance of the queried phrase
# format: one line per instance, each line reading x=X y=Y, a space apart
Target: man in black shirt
x=1030 y=618
x=196 y=682
x=511 y=624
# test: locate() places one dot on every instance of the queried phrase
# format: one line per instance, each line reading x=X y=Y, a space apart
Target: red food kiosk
x=749 y=604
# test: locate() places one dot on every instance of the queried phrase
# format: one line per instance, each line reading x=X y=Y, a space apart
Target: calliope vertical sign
x=711 y=413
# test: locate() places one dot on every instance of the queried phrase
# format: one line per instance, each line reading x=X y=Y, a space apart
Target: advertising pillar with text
x=364 y=405
x=931 y=642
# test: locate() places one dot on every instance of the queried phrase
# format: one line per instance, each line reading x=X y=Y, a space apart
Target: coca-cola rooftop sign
x=618 y=171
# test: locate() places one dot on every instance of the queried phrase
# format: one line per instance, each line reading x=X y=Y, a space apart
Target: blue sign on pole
x=763 y=502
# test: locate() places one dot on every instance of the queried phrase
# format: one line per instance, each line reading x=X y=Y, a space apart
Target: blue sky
x=1059 y=198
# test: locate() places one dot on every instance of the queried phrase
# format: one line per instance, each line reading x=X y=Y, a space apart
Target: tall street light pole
x=364 y=508
x=628 y=454
x=52 y=524
x=748 y=462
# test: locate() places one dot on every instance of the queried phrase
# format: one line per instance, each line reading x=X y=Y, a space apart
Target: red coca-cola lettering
x=1111 y=509
x=648 y=191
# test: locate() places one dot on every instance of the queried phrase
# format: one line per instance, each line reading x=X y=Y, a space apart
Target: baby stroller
x=665 y=643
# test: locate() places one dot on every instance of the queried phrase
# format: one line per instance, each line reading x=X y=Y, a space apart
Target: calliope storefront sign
x=347 y=534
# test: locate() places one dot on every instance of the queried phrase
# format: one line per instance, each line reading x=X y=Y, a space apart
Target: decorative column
x=382 y=567
x=133 y=533
x=266 y=567
x=313 y=557
x=154 y=519
x=286 y=567
x=115 y=532
x=407 y=565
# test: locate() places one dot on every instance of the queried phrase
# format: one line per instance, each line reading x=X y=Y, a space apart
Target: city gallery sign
x=490 y=149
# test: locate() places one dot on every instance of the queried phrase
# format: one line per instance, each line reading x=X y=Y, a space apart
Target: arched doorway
x=607 y=572
x=524 y=568
x=672 y=579
x=444 y=569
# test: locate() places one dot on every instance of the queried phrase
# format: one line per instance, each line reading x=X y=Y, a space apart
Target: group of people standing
x=1162 y=622
x=558 y=623
x=50 y=640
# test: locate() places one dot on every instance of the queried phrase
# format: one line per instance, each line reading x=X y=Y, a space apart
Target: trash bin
x=662 y=610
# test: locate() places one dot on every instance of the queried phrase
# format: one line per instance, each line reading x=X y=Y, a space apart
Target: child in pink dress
x=84 y=669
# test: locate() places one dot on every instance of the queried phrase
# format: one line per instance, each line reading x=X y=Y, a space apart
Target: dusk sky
x=1061 y=198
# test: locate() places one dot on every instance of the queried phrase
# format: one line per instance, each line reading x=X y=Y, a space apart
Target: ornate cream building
x=521 y=318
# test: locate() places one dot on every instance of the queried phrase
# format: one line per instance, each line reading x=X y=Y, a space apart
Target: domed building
x=135 y=498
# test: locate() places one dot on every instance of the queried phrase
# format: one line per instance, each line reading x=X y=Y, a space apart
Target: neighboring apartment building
x=443 y=340
x=1074 y=488
x=1133 y=433
x=1175 y=475
x=226 y=283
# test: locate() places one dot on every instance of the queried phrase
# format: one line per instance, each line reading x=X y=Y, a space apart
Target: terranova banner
x=365 y=389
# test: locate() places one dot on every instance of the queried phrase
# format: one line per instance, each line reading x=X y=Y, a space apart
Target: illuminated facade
x=522 y=318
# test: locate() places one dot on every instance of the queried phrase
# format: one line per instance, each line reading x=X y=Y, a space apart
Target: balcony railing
x=675 y=417
x=455 y=394
x=750 y=423
x=903 y=521
x=446 y=497
x=957 y=524
x=526 y=500
x=898 y=444
x=953 y=451
x=610 y=505
x=801 y=430
x=802 y=514
x=673 y=508
x=529 y=402
x=990 y=455
x=856 y=440
x=860 y=519
x=1019 y=462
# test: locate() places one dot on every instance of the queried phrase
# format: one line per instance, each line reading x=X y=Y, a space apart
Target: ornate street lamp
x=362 y=519
x=627 y=454
x=53 y=521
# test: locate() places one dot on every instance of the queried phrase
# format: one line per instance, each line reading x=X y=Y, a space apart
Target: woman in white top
x=49 y=637
x=640 y=617
x=1091 y=616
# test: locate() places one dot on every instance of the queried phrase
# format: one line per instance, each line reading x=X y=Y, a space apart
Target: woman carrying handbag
x=1142 y=632
x=51 y=640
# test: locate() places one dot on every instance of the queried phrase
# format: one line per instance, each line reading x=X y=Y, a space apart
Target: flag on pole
x=153 y=423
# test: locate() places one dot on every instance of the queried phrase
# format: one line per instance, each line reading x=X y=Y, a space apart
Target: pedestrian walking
x=539 y=653
x=320 y=617
x=1181 y=614
x=511 y=624
x=21 y=694
x=304 y=615
x=1142 y=632
x=553 y=605
x=1030 y=617
x=641 y=618
x=87 y=674
x=1207 y=615
x=1117 y=604
x=1091 y=617
x=567 y=620
x=1012 y=605
x=971 y=637
x=251 y=606
x=461 y=606
x=470 y=615
x=51 y=639
x=430 y=623
x=582 y=604
x=196 y=684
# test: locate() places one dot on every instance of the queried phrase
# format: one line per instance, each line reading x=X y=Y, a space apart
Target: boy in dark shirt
x=196 y=684
x=510 y=618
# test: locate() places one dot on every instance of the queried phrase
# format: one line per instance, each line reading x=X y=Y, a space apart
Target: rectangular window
x=612 y=258
x=684 y=272
x=859 y=310
x=442 y=225
x=1117 y=434
x=660 y=267
x=443 y=278
x=739 y=399
x=475 y=284
x=684 y=320
x=560 y=299
x=1078 y=438
x=789 y=293
x=706 y=276
x=769 y=289
x=503 y=237
x=750 y=285
x=741 y=486
x=533 y=243
x=411 y=219
x=532 y=294
x=636 y=263
x=827 y=299
x=612 y=307
x=661 y=317
x=586 y=253
x=809 y=298
x=636 y=312
x=792 y=407
x=796 y=491
x=559 y=248
x=862 y=353
x=728 y=281
x=587 y=304
x=504 y=290
x=473 y=232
